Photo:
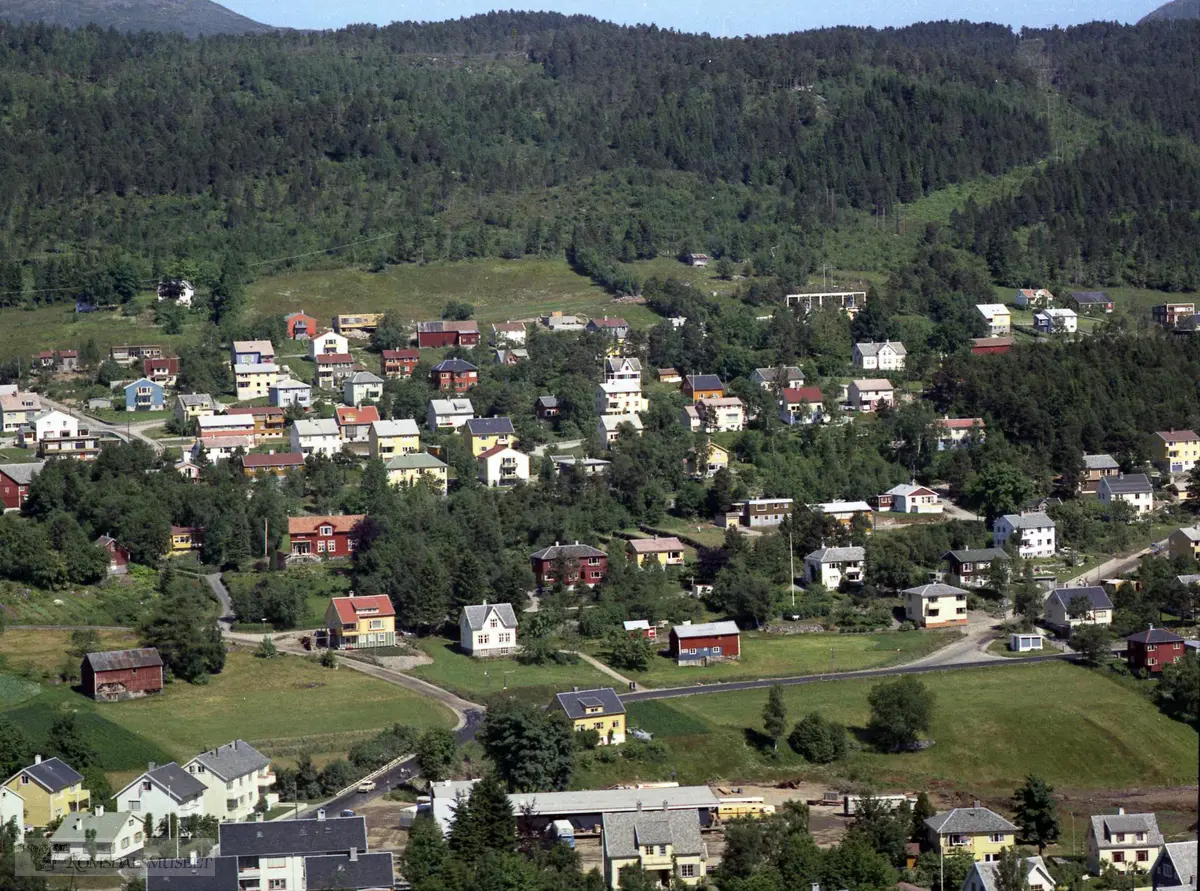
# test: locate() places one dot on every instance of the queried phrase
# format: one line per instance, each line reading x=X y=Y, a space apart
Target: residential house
x=1056 y=321
x=599 y=709
x=414 y=467
x=488 y=630
x=1126 y=842
x=50 y=789
x=726 y=414
x=909 y=498
x=669 y=376
x=715 y=458
x=254 y=381
x=216 y=426
x=83 y=447
x=117 y=675
x=557 y=322
x=640 y=628
x=253 y=352
x=454 y=375
x=164 y=370
x=758 y=513
x=977 y=831
x=849 y=302
x=1183 y=543
x=698 y=260
x=1096 y=468
x=189 y=406
x=609 y=427
x=235 y=777
x=1034 y=876
x=871 y=394
x=1093 y=301
x=991 y=346
x=52 y=424
x=288 y=392
x=1032 y=298
x=546 y=407
x=957 y=433
x=845 y=512
x=487 y=433
x=166 y=791
x=300 y=325
x=508 y=334
x=398 y=363
x=619 y=398
x=15 y=480
x=328 y=344
x=267 y=422
x=186 y=538
x=433 y=335
x=702 y=386
x=127 y=355
x=391 y=438
x=830 y=567
x=935 y=605
x=1187 y=327
x=448 y=414
x=1168 y=315
x=118 y=554
x=332 y=369
x=1133 y=489
x=360 y=387
x=144 y=395
x=1068 y=608
x=622 y=369
x=358 y=622
x=358 y=324
x=782 y=377
x=12 y=812
x=1174 y=451
x=18 y=410
x=886 y=356
x=509 y=357
x=1035 y=533
x=354 y=424
x=101 y=836
x=997 y=317
x=1153 y=650
x=179 y=290
x=970 y=567
x=275 y=463
x=1175 y=868
x=502 y=466
x=571 y=564
x=802 y=405
x=665 y=551
x=616 y=330
x=667 y=846
x=316 y=437
x=705 y=643
x=327 y=536
x=586 y=466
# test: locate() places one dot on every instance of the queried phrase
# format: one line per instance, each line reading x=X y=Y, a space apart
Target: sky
x=718 y=17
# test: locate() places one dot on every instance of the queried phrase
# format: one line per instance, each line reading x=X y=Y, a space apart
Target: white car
x=366 y=786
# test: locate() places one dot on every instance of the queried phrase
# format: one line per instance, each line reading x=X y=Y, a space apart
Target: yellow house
x=186 y=538
x=254 y=380
x=1185 y=542
x=410 y=469
x=666 y=844
x=1174 y=451
x=598 y=710
x=189 y=406
x=1126 y=842
x=487 y=433
x=718 y=459
x=391 y=438
x=356 y=622
x=51 y=789
x=971 y=830
x=664 y=551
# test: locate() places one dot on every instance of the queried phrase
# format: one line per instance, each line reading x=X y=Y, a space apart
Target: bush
x=631 y=653
x=587 y=739
x=818 y=740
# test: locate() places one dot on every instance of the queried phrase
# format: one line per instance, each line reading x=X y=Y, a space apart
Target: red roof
x=1178 y=435
x=960 y=423
x=348 y=608
x=348 y=414
x=255 y=410
x=493 y=450
x=187 y=530
x=802 y=394
x=401 y=354
x=279 y=459
x=309 y=525
x=68 y=354
x=610 y=323
x=335 y=359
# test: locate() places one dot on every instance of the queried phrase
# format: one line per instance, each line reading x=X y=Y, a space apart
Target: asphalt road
x=132 y=430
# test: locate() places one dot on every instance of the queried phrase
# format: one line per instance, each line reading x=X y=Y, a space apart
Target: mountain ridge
x=192 y=18
x=1173 y=10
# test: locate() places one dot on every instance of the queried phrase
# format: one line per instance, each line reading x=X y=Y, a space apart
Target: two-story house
x=935 y=605
x=220 y=447
x=300 y=325
x=1068 y=608
x=278 y=464
x=665 y=551
x=487 y=433
x=229 y=424
x=977 y=831
x=254 y=380
x=997 y=318
x=1096 y=468
x=600 y=710
x=970 y=567
x=1184 y=543
x=702 y=386
x=15 y=480
x=610 y=427
x=332 y=369
x=909 y=498
x=1056 y=321
x=252 y=352
x=757 y=513
x=1175 y=868
x=886 y=356
x=957 y=433
x=830 y=567
x=620 y=397
x=726 y=414
x=622 y=368
x=1174 y=451
x=667 y=846
x=1126 y=842
x=360 y=621
x=706 y=461
x=1133 y=489
x=144 y=395
x=435 y=335
x=317 y=437
x=189 y=406
x=266 y=421
x=328 y=344
x=100 y=836
x=354 y=424
x=508 y=334
x=162 y=791
x=454 y=376
x=448 y=414
x=547 y=408
x=52 y=424
x=17 y=410
x=288 y=392
x=328 y=536
x=802 y=405
x=1034 y=531
x=164 y=370
x=51 y=789
x=1153 y=650
x=488 y=629
x=571 y=564
x=502 y=466
x=781 y=377
x=387 y=439
x=986 y=877
x=1032 y=298
x=398 y=363
x=360 y=387
x=871 y=394
x=616 y=330
x=415 y=467
x=235 y=777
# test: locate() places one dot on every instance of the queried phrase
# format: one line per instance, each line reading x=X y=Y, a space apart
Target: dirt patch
x=383 y=824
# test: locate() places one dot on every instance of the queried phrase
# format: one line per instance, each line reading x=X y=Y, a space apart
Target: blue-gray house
x=144 y=395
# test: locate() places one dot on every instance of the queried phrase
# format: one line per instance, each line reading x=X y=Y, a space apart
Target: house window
x=996 y=837
x=326 y=530
x=716 y=651
x=124 y=843
x=1143 y=856
x=662 y=850
x=1118 y=856
x=135 y=805
x=146 y=785
x=321 y=547
x=1141 y=836
x=277 y=884
x=24 y=779
x=483 y=638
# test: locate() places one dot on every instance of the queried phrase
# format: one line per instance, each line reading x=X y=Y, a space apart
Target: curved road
x=121 y=431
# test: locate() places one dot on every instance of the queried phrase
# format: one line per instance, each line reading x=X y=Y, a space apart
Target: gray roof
x=1088 y=297
x=455 y=365
x=1096 y=596
x=611 y=801
x=290 y=384
x=968 y=821
x=233 y=760
x=173 y=780
x=1154 y=636
x=1105 y=828
x=615 y=364
x=988 y=871
x=574 y=551
x=278 y=837
x=704 y=382
x=705 y=629
x=936 y=589
x=1100 y=462
x=415 y=461
x=364 y=377
x=316 y=427
x=53 y=774
x=337 y=872
x=490 y=426
x=108 y=826
x=624 y=833
x=203 y=400
x=1182 y=856
x=208 y=874
x=477 y=615
x=976 y=555
x=576 y=703
x=835 y=555
x=22 y=474
x=1035 y=520
x=118 y=660
x=771 y=375
x=872 y=349
x=548 y=401
x=1127 y=484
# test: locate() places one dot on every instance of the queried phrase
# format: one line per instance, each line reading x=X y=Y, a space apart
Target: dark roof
x=976 y=555
x=1127 y=484
x=575 y=551
x=119 y=660
x=548 y=401
x=1086 y=297
x=207 y=874
x=176 y=781
x=455 y=365
x=234 y=759
x=1154 y=636
x=53 y=774
x=1094 y=594
x=490 y=426
x=339 y=873
x=280 y=837
x=704 y=382
x=577 y=703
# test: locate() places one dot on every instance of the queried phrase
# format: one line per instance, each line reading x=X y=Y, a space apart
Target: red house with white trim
x=705 y=643
x=1153 y=649
x=398 y=363
x=575 y=563
x=15 y=480
x=323 y=536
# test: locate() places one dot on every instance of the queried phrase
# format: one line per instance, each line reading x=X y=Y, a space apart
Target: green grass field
x=25 y=331
x=118 y=600
x=46 y=650
x=1074 y=727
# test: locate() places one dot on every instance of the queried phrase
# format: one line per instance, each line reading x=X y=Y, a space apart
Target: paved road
x=122 y=431
x=543 y=450
x=217 y=586
x=1114 y=567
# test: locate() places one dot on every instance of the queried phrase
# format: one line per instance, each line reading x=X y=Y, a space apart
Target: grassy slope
x=113 y=602
x=45 y=650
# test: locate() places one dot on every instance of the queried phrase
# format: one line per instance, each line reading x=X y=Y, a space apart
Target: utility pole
x=791 y=564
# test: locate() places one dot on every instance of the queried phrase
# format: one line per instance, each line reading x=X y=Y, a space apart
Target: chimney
x=320 y=813
x=78 y=824
x=977 y=804
x=150 y=767
x=98 y=810
x=353 y=854
x=1120 y=812
x=639 y=805
x=37 y=759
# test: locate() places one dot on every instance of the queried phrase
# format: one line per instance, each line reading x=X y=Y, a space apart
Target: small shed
x=1024 y=643
x=122 y=674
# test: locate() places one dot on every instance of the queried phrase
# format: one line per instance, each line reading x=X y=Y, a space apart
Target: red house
x=164 y=369
x=277 y=463
x=118 y=554
x=398 y=363
x=323 y=536
x=1153 y=649
x=300 y=326
x=15 y=480
x=991 y=346
x=705 y=643
x=431 y=335
x=122 y=674
x=572 y=564
x=454 y=375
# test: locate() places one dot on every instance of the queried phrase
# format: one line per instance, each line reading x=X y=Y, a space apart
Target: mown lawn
x=1074 y=727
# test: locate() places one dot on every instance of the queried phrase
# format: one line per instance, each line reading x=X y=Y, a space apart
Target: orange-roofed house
x=955 y=433
x=354 y=424
x=356 y=622
x=664 y=551
x=323 y=536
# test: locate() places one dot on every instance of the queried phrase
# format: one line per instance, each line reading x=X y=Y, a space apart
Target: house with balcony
x=871 y=394
x=252 y=352
x=1034 y=533
x=83 y=447
x=215 y=426
x=886 y=356
x=323 y=537
x=726 y=414
x=448 y=414
x=1125 y=842
x=360 y=387
x=663 y=550
x=359 y=324
x=1168 y=315
x=1174 y=451
x=454 y=376
x=488 y=630
x=571 y=564
x=1133 y=489
x=935 y=605
x=316 y=437
x=328 y=344
x=100 y=836
x=977 y=831
x=332 y=369
x=164 y=370
x=18 y=410
x=802 y=405
x=50 y=789
x=415 y=467
x=266 y=421
x=1068 y=608
x=144 y=395
x=1056 y=321
x=757 y=513
x=254 y=380
x=398 y=363
x=667 y=846
x=189 y=406
x=52 y=424
x=622 y=397
x=502 y=466
x=235 y=777
x=288 y=392
x=128 y=354
x=166 y=790
x=830 y=567
x=622 y=369
x=484 y=434
x=387 y=439
x=356 y=622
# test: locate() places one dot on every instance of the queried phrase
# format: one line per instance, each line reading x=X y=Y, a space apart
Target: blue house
x=144 y=395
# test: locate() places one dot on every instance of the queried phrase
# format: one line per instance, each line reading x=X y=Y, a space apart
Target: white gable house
x=488 y=630
x=1036 y=533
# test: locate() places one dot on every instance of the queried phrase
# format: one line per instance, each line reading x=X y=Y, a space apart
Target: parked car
x=366 y=786
x=347 y=813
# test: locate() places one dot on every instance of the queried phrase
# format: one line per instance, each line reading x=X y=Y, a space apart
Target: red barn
x=118 y=554
x=431 y=335
x=300 y=326
x=122 y=674
x=398 y=363
x=323 y=536
x=1153 y=649
x=702 y=644
x=15 y=480
x=989 y=346
x=572 y=564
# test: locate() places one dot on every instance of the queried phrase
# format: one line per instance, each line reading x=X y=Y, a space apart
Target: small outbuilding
x=122 y=674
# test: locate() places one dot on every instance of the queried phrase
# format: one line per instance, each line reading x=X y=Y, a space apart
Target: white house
x=1036 y=531
x=909 y=498
x=502 y=466
x=448 y=414
x=362 y=386
x=886 y=356
x=1132 y=488
x=621 y=369
x=984 y=876
x=52 y=424
x=608 y=427
x=1032 y=298
x=220 y=448
x=317 y=437
x=329 y=342
x=832 y=566
x=1093 y=607
x=488 y=630
x=179 y=290
x=235 y=776
x=787 y=377
x=12 y=810
x=998 y=318
x=254 y=380
x=870 y=394
x=621 y=397
x=162 y=791
x=1056 y=321
x=114 y=836
x=290 y=391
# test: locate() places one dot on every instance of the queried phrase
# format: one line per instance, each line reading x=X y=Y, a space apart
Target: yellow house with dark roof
x=600 y=710
x=51 y=789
